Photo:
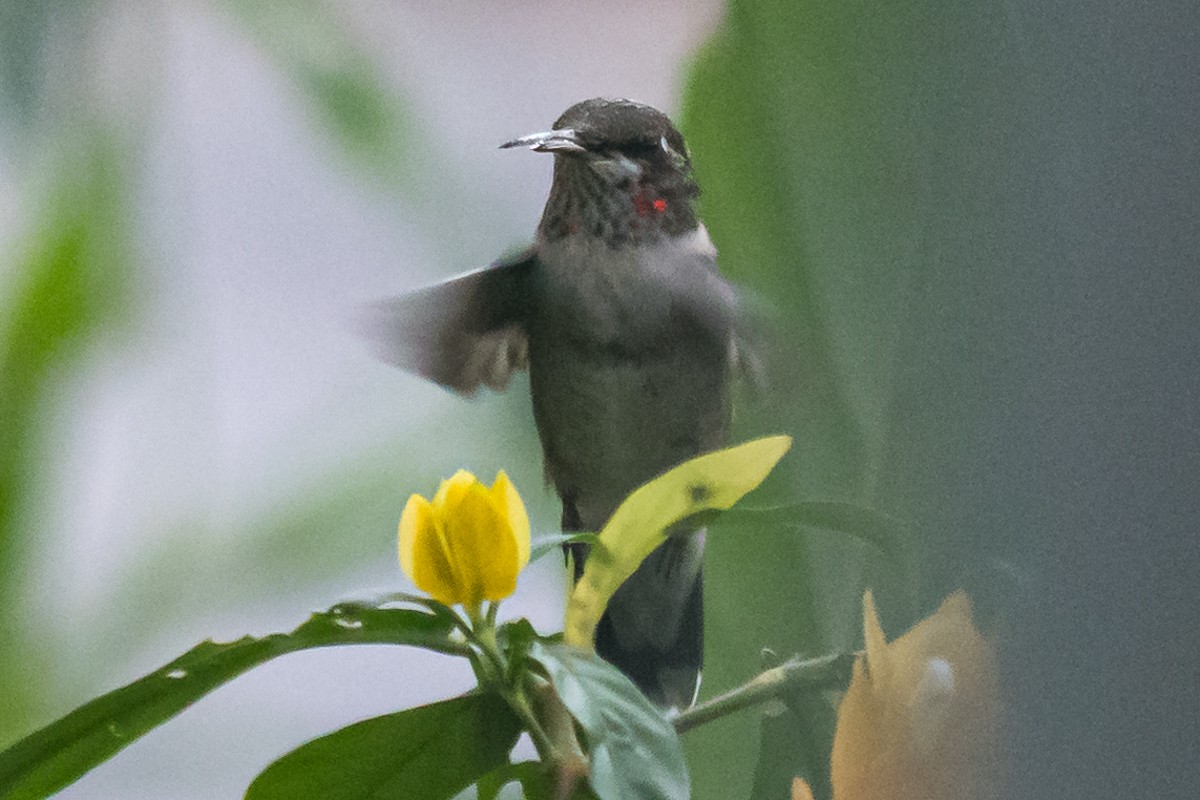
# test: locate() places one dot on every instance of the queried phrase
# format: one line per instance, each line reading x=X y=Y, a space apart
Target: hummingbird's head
x=621 y=172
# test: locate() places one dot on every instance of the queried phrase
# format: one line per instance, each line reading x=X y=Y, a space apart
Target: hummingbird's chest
x=631 y=299
x=629 y=363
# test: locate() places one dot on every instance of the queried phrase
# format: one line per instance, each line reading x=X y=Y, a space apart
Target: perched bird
x=628 y=333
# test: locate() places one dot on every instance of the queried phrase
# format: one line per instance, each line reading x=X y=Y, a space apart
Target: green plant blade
x=887 y=534
x=796 y=742
x=633 y=750
x=425 y=753
x=335 y=75
x=60 y=753
x=63 y=283
x=711 y=482
x=536 y=781
x=544 y=545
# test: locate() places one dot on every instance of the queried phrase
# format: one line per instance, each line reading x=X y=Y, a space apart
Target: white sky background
x=241 y=383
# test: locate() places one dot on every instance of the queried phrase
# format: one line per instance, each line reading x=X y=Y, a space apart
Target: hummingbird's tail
x=653 y=629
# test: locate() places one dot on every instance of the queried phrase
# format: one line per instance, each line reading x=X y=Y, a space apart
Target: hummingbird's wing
x=753 y=351
x=461 y=333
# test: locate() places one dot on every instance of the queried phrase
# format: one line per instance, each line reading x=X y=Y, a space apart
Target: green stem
x=487 y=660
x=556 y=728
x=475 y=615
x=492 y=665
x=542 y=741
x=827 y=672
x=491 y=613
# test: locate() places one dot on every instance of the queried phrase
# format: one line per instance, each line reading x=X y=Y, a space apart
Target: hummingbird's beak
x=560 y=141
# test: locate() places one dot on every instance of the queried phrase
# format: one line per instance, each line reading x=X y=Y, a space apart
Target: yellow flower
x=920 y=716
x=467 y=544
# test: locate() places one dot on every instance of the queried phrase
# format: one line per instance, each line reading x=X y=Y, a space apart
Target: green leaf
x=536 y=781
x=714 y=481
x=795 y=742
x=368 y=604
x=633 y=750
x=337 y=77
x=425 y=753
x=879 y=530
x=50 y=758
x=515 y=639
x=812 y=142
x=65 y=284
x=895 y=573
x=544 y=545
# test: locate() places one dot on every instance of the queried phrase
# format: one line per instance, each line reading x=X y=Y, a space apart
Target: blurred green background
x=972 y=227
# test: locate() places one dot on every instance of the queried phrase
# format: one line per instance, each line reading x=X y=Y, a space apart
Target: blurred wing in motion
x=760 y=358
x=461 y=333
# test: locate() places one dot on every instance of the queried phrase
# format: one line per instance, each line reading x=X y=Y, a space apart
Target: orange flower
x=467 y=544
x=919 y=719
x=800 y=790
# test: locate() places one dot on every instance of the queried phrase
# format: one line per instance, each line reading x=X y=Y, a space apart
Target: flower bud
x=920 y=716
x=468 y=543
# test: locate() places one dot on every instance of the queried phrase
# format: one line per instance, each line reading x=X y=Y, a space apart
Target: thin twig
x=827 y=672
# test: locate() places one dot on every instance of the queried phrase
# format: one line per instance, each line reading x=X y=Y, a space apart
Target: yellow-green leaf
x=711 y=482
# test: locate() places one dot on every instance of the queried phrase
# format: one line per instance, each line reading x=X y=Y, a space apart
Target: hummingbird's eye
x=639 y=149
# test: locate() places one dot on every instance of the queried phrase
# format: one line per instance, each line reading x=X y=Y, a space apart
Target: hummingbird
x=629 y=334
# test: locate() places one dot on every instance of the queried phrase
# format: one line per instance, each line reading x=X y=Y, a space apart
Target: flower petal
x=422 y=553
x=875 y=642
x=919 y=718
x=481 y=544
x=416 y=514
x=450 y=492
x=505 y=496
